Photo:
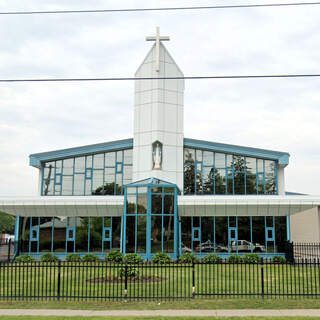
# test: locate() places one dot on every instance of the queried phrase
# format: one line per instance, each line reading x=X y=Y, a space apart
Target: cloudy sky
x=276 y=114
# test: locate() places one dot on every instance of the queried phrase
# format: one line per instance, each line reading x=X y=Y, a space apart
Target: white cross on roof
x=157 y=39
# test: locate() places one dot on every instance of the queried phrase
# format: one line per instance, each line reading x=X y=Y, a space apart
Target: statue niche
x=157 y=155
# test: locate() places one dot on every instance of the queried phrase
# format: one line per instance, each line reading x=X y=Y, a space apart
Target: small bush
x=73 y=257
x=90 y=258
x=161 y=258
x=133 y=273
x=250 y=258
x=212 y=258
x=49 y=257
x=278 y=259
x=114 y=256
x=188 y=258
x=234 y=258
x=132 y=258
x=24 y=258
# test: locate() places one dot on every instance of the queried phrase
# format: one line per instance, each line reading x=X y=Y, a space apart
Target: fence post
x=262 y=279
x=59 y=279
x=126 y=281
x=193 y=281
x=9 y=250
x=289 y=255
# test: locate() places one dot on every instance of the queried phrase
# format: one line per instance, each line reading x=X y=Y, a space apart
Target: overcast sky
x=276 y=114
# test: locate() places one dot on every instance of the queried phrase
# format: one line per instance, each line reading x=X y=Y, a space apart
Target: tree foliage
x=6 y=223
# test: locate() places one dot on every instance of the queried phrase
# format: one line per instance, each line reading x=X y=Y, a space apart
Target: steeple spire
x=157 y=39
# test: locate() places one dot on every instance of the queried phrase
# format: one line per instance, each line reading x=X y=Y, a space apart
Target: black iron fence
x=102 y=281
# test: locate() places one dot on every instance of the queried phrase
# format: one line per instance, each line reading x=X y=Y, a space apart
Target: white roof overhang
x=245 y=205
x=71 y=206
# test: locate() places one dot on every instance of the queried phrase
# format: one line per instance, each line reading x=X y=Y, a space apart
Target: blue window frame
x=58 y=179
x=196 y=234
x=107 y=234
x=88 y=173
x=119 y=167
x=270 y=234
x=34 y=234
x=70 y=233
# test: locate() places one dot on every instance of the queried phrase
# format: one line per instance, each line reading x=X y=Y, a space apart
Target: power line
x=165 y=78
x=160 y=9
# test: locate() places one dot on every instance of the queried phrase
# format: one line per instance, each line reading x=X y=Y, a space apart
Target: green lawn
x=100 y=281
x=207 y=304
x=149 y=318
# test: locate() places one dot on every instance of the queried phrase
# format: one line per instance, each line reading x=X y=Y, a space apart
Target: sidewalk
x=165 y=313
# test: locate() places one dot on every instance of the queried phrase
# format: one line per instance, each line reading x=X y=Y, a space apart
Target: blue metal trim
x=194 y=230
x=267 y=233
x=176 y=231
x=52 y=234
x=68 y=238
x=282 y=157
x=16 y=234
x=89 y=232
x=109 y=231
x=148 y=244
x=36 y=158
x=288 y=228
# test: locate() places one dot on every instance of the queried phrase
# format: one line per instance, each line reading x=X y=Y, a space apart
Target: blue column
x=175 y=224
x=288 y=228
x=16 y=235
x=148 y=246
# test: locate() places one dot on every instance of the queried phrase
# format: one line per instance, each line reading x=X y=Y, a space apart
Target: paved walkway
x=166 y=313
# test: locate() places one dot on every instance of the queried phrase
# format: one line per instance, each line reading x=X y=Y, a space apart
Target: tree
x=107 y=189
x=6 y=223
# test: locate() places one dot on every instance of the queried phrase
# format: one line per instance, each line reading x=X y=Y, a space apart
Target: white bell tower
x=158 y=117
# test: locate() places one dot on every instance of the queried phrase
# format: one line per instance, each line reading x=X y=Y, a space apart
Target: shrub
x=132 y=258
x=73 y=257
x=133 y=273
x=250 y=258
x=49 y=257
x=188 y=258
x=234 y=258
x=90 y=258
x=212 y=258
x=24 y=258
x=114 y=256
x=278 y=259
x=161 y=258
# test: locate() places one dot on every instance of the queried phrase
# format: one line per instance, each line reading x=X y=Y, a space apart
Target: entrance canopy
x=245 y=205
x=71 y=206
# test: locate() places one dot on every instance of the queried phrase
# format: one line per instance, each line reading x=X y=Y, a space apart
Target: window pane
x=68 y=166
x=110 y=159
x=79 y=164
x=127 y=156
x=220 y=160
x=67 y=185
x=207 y=158
x=220 y=181
x=98 y=161
x=251 y=165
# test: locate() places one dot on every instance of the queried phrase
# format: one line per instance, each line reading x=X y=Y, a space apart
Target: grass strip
x=205 y=304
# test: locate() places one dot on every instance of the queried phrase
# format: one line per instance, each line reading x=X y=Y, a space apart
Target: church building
x=159 y=191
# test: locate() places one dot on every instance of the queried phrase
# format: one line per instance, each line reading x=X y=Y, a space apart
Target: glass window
x=110 y=159
x=220 y=160
x=220 y=181
x=251 y=165
x=79 y=164
x=98 y=161
x=208 y=179
x=127 y=156
x=207 y=158
x=67 y=185
x=68 y=166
